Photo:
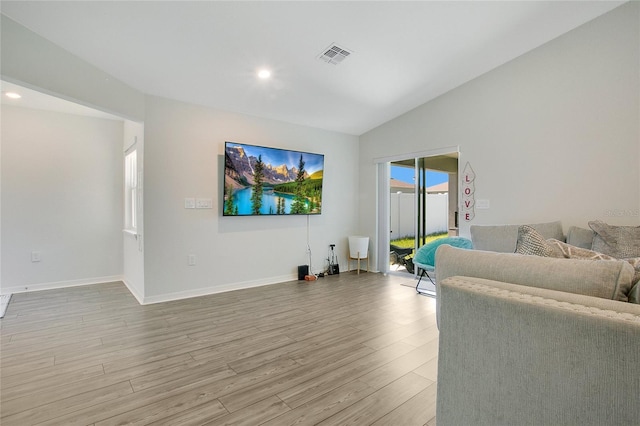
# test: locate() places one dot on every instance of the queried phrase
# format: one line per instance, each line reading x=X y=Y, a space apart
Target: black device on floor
x=303 y=270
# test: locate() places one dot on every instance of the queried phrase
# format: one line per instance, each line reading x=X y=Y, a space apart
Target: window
x=131 y=190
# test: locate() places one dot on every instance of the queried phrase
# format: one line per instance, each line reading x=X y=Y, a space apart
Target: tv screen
x=270 y=181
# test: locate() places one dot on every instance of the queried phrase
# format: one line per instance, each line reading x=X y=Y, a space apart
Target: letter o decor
x=468 y=190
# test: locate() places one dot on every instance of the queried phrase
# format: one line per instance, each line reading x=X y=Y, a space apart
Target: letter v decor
x=468 y=189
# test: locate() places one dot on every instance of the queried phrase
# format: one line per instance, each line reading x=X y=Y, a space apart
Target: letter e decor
x=468 y=189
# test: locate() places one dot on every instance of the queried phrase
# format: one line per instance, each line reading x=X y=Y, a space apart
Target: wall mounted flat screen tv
x=271 y=181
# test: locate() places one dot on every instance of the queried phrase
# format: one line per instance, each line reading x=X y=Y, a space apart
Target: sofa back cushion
x=580 y=237
x=503 y=238
x=604 y=279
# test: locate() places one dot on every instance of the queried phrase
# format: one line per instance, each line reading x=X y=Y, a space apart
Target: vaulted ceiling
x=402 y=54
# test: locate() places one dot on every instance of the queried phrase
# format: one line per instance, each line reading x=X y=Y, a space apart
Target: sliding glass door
x=421 y=205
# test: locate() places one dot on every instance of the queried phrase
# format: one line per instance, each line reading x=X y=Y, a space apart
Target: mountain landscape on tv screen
x=269 y=181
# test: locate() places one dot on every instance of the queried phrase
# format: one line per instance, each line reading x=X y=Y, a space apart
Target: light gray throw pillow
x=621 y=242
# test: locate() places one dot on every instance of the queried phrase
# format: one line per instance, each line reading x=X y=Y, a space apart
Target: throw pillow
x=531 y=242
x=622 y=242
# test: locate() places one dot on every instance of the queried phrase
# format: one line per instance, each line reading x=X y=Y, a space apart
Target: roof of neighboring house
x=398 y=184
x=441 y=187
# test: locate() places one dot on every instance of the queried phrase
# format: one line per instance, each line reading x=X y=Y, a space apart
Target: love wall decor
x=468 y=190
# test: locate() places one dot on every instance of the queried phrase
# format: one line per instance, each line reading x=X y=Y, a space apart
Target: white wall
x=551 y=135
x=184 y=148
x=62 y=197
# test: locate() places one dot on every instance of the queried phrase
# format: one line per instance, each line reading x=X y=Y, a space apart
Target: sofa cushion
x=617 y=241
x=503 y=238
x=580 y=237
x=605 y=279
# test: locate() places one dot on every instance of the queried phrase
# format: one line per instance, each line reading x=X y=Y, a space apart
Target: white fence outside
x=403 y=215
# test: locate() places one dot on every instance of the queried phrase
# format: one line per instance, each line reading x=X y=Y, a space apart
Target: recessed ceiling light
x=12 y=95
x=264 y=74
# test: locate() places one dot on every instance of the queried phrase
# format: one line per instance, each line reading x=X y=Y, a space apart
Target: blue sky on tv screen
x=405 y=174
x=277 y=157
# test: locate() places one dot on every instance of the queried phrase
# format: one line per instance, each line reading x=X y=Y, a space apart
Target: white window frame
x=131 y=190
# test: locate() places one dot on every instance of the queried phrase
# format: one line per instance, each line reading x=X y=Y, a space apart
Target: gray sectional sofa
x=531 y=340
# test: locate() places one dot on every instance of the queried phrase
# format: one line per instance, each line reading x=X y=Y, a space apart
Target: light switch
x=36 y=256
x=189 y=203
x=482 y=204
x=204 y=203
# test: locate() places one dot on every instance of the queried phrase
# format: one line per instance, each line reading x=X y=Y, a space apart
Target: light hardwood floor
x=346 y=349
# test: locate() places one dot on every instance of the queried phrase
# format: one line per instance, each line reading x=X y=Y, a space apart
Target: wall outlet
x=191 y=260
x=189 y=203
x=36 y=256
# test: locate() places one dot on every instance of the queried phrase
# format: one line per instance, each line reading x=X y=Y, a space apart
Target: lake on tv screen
x=242 y=199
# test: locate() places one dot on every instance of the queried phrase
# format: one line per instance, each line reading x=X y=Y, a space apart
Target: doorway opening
x=423 y=202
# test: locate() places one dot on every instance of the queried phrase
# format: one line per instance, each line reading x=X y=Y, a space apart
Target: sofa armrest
x=634 y=294
x=605 y=279
x=511 y=354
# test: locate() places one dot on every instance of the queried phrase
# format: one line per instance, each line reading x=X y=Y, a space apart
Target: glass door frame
x=383 y=237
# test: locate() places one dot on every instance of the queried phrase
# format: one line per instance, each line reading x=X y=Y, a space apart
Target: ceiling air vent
x=334 y=54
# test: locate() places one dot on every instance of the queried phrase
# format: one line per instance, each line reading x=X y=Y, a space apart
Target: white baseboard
x=150 y=299
x=59 y=284
x=139 y=297
x=217 y=289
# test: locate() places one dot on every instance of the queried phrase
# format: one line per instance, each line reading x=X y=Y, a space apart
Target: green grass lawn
x=410 y=241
